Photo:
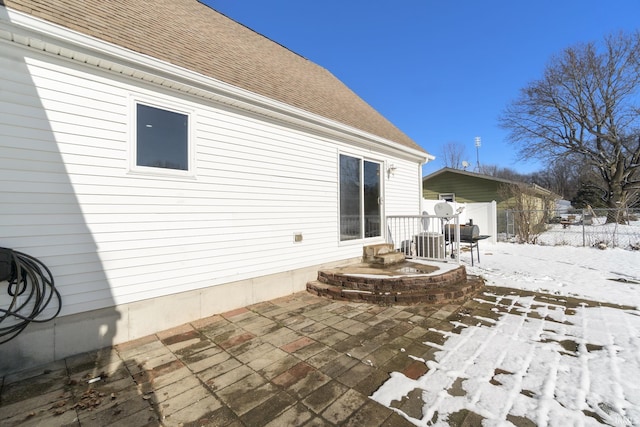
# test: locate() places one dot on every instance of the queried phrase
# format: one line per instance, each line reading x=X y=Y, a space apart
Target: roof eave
x=534 y=186
x=43 y=35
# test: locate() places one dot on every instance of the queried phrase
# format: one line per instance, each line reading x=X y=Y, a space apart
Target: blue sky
x=440 y=71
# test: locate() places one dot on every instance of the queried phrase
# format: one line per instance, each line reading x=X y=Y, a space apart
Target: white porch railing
x=424 y=236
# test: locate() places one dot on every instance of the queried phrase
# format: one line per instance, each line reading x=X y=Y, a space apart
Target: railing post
x=424 y=236
x=457 y=222
x=584 y=231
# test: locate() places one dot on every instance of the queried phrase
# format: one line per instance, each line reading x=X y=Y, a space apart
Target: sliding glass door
x=360 y=195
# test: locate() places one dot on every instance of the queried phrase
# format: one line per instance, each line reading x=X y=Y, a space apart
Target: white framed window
x=162 y=140
x=447 y=197
x=360 y=189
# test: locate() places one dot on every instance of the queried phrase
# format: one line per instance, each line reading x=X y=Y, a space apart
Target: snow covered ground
x=583 y=272
x=597 y=232
x=538 y=360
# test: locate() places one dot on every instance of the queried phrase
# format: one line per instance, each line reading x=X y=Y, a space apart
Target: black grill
x=467 y=233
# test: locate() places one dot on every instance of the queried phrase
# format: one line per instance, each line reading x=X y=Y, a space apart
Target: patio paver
x=299 y=360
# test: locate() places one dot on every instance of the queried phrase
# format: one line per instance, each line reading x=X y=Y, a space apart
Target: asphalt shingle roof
x=192 y=35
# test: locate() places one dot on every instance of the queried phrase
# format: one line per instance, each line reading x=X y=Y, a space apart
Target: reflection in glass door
x=350 y=206
x=372 y=214
x=360 y=188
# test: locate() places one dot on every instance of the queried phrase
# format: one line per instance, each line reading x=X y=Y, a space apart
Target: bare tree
x=504 y=173
x=586 y=104
x=530 y=209
x=562 y=176
x=453 y=155
x=489 y=170
x=511 y=175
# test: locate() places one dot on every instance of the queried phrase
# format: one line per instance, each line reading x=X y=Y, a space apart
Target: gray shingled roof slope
x=190 y=34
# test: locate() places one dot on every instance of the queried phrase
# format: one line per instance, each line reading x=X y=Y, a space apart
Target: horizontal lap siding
x=114 y=237
x=53 y=127
x=402 y=188
x=466 y=188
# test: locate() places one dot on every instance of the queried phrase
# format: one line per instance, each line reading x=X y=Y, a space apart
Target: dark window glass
x=360 y=212
x=162 y=138
x=350 y=200
x=372 y=211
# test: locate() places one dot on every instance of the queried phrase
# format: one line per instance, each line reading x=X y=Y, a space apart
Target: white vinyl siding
x=112 y=237
x=400 y=189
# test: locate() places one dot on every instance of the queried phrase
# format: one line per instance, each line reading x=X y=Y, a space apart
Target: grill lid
x=467 y=232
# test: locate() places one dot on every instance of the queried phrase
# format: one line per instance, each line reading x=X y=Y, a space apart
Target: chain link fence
x=614 y=228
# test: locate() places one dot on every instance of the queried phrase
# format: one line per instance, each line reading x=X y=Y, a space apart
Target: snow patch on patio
x=538 y=359
x=536 y=362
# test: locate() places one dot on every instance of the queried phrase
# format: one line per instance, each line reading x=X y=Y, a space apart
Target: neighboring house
x=167 y=164
x=468 y=187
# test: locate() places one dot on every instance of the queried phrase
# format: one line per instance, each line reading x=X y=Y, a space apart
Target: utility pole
x=478 y=142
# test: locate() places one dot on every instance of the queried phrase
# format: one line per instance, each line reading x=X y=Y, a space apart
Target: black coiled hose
x=30 y=287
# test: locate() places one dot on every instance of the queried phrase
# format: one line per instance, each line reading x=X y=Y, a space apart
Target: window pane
x=162 y=138
x=350 y=221
x=372 y=221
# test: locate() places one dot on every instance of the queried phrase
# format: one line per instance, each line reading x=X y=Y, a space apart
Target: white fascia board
x=43 y=35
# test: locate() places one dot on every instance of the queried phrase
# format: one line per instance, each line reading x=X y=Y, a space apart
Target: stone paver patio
x=294 y=361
